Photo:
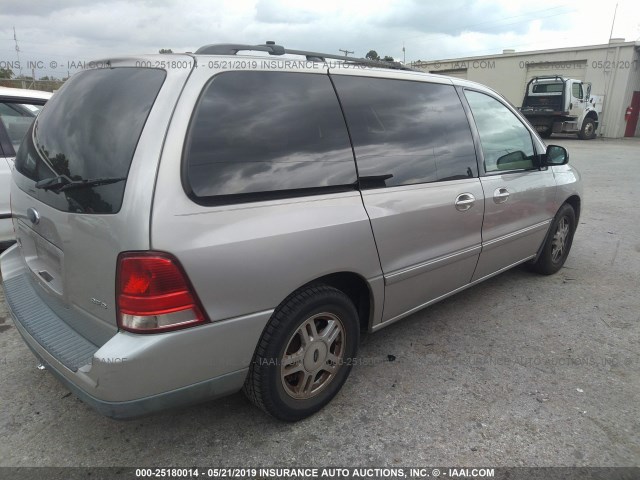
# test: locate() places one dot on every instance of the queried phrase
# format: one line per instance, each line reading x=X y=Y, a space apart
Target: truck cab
x=554 y=104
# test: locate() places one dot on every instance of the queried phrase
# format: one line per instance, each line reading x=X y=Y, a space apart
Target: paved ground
x=521 y=370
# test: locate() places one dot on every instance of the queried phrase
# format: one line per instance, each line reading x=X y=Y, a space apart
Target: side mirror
x=555 y=155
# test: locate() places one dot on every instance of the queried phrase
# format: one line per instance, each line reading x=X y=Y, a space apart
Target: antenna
x=614 y=21
x=17 y=50
x=346 y=52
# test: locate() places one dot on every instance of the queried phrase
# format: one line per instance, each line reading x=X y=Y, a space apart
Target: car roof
x=24 y=93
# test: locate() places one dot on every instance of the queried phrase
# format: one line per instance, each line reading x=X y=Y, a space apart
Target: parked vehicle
x=240 y=223
x=555 y=104
x=18 y=109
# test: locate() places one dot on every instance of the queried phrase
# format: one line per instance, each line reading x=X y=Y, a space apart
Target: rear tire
x=305 y=353
x=558 y=243
x=546 y=133
x=588 y=130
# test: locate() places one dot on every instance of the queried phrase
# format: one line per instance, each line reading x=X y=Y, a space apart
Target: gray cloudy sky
x=58 y=32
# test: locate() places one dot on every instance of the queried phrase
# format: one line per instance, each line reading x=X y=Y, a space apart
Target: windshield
x=89 y=130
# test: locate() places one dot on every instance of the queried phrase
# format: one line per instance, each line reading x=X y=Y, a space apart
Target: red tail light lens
x=154 y=294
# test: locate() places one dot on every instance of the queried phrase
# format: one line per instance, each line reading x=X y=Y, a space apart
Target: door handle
x=464 y=202
x=501 y=195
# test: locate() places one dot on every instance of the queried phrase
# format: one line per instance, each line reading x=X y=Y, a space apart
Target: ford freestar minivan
x=192 y=224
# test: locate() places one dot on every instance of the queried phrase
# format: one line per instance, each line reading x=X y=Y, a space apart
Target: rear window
x=89 y=130
x=265 y=135
x=548 y=88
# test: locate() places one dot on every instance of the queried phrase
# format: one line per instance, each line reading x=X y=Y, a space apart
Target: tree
x=165 y=50
x=387 y=58
x=6 y=73
x=372 y=55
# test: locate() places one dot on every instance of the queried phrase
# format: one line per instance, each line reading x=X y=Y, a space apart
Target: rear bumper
x=191 y=394
x=132 y=375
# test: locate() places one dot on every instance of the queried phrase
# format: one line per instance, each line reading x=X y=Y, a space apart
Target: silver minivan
x=190 y=225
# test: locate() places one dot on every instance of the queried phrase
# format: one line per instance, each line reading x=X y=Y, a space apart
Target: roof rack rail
x=272 y=49
x=548 y=77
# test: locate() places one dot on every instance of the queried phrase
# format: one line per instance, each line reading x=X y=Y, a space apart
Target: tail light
x=154 y=294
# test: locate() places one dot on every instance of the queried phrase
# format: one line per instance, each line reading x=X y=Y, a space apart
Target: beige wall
x=613 y=70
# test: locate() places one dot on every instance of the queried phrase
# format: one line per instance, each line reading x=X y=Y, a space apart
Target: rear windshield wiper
x=63 y=182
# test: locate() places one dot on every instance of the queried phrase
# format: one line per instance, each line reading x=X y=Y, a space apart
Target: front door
x=519 y=196
x=576 y=102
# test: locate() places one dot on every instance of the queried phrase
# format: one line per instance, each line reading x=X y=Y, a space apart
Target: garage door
x=568 y=69
x=457 y=72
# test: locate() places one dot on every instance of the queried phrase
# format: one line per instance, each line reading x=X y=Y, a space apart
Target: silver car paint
x=243 y=260
x=427 y=247
x=75 y=281
x=6 y=226
x=516 y=228
x=277 y=246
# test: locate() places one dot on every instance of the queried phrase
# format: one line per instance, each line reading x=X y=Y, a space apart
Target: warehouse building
x=613 y=69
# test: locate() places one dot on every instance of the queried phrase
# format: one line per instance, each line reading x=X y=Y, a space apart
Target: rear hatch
x=83 y=183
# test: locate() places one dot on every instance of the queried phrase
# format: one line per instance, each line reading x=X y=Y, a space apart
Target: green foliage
x=372 y=55
x=6 y=73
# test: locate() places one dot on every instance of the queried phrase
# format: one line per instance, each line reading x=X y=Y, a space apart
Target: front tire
x=588 y=130
x=558 y=243
x=305 y=353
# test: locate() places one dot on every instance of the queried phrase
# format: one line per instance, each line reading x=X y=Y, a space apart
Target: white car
x=18 y=109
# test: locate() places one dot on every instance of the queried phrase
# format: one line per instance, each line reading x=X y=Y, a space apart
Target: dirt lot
x=520 y=370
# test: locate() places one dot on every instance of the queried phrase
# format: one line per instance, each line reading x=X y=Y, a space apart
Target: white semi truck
x=554 y=104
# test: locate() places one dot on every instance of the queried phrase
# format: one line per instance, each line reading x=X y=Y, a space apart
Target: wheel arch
x=575 y=202
x=354 y=286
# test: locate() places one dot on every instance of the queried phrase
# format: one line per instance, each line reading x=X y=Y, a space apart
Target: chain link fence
x=46 y=85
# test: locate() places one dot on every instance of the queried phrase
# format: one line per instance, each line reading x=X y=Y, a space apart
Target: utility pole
x=15 y=39
x=346 y=52
x=404 y=58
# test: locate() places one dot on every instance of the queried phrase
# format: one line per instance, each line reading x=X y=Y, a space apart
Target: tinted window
x=506 y=143
x=406 y=132
x=89 y=130
x=267 y=133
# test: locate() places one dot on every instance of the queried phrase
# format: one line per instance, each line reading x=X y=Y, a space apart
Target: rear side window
x=260 y=135
x=89 y=130
x=406 y=132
